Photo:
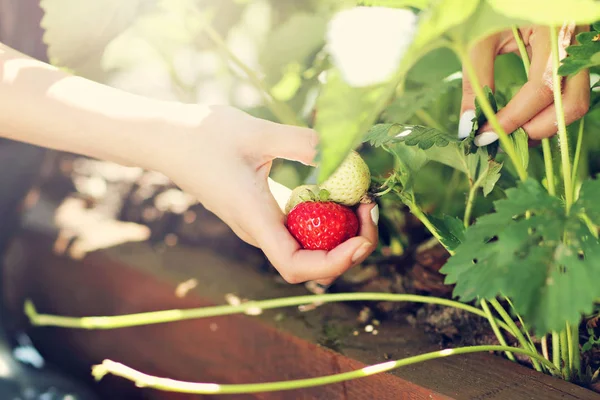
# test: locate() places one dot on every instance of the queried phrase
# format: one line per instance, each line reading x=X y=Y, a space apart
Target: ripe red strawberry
x=322 y=225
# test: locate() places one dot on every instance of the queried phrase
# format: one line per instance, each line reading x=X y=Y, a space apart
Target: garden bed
x=276 y=345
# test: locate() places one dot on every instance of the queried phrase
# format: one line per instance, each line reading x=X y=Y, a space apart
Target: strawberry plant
x=524 y=243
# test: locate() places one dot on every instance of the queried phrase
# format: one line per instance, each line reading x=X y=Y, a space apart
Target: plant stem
x=564 y=354
x=544 y=341
x=546 y=148
x=516 y=332
x=549 y=166
x=159 y=317
x=495 y=328
x=560 y=118
x=575 y=352
x=428 y=120
x=569 y=335
x=469 y=207
x=490 y=115
x=556 y=350
x=416 y=211
x=281 y=110
x=577 y=156
x=522 y=48
x=148 y=381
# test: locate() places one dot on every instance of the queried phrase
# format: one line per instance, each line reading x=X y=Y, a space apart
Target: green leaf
x=292 y=43
x=490 y=177
x=344 y=114
x=584 y=55
x=412 y=135
x=434 y=66
x=521 y=142
x=77 y=32
x=483 y=22
x=549 y=12
x=547 y=263
x=405 y=106
x=587 y=203
x=434 y=23
x=451 y=229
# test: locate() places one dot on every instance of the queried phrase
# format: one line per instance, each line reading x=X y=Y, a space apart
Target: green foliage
x=549 y=12
x=451 y=229
x=583 y=55
x=530 y=250
x=344 y=114
x=405 y=106
x=77 y=32
x=412 y=135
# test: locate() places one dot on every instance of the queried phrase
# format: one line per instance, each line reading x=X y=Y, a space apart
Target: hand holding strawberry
x=321 y=217
x=225 y=158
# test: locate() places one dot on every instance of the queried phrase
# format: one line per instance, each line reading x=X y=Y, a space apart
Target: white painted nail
x=485 y=138
x=465 y=124
x=375 y=214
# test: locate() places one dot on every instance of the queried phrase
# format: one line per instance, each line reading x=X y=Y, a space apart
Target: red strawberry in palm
x=322 y=225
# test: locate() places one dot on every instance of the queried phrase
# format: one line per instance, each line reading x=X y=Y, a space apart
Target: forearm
x=45 y=106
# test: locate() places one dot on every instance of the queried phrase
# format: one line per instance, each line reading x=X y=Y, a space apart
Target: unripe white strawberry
x=301 y=194
x=350 y=182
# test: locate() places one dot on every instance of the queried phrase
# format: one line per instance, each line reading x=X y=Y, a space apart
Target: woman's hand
x=225 y=159
x=532 y=108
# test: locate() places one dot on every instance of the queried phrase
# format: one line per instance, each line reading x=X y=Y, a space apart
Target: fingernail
x=485 y=138
x=375 y=214
x=465 y=124
x=361 y=252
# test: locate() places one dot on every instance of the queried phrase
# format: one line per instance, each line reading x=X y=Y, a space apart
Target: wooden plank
x=235 y=349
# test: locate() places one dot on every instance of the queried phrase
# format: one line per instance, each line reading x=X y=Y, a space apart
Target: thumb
x=291 y=142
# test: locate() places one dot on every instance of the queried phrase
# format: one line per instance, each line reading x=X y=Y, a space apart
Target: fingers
x=368 y=219
x=482 y=55
x=296 y=265
x=536 y=94
x=576 y=102
x=289 y=142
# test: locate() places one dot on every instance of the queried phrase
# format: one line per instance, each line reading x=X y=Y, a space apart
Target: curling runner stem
x=148 y=381
x=158 y=317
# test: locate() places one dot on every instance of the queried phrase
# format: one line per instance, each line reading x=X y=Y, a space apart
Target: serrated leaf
x=549 y=12
x=451 y=229
x=547 y=263
x=583 y=55
x=78 y=31
x=405 y=106
x=491 y=177
x=412 y=135
x=434 y=22
x=344 y=114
